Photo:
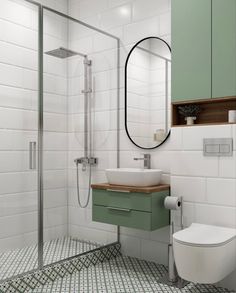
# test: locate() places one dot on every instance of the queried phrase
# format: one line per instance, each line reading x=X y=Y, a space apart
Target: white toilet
x=205 y=254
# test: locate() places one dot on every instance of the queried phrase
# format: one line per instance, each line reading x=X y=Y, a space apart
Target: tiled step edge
x=50 y=273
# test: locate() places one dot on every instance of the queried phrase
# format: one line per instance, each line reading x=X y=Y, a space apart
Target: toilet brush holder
x=172 y=278
x=172 y=271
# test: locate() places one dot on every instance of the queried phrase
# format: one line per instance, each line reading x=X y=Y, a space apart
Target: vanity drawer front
x=127 y=200
x=123 y=217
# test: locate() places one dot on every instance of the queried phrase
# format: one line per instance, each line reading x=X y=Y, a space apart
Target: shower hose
x=78 y=191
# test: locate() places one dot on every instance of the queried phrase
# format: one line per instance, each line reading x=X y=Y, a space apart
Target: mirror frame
x=126 y=75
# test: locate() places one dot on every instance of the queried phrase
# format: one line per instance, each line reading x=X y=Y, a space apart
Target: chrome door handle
x=119 y=209
x=32 y=155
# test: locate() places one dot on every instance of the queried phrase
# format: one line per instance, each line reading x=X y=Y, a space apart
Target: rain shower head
x=63 y=53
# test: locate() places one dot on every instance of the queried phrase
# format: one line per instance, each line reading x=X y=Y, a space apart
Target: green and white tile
x=49 y=274
x=18 y=261
x=123 y=275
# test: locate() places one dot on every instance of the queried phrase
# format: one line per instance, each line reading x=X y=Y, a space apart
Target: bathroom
x=66 y=74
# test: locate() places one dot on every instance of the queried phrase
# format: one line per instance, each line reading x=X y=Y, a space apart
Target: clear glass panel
x=76 y=125
x=18 y=137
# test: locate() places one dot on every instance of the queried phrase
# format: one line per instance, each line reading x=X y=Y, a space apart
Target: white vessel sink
x=134 y=177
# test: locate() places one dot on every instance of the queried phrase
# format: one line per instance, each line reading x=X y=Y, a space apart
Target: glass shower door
x=18 y=138
x=80 y=123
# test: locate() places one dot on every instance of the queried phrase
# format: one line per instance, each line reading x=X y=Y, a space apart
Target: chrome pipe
x=87 y=104
x=90 y=106
x=85 y=92
x=40 y=139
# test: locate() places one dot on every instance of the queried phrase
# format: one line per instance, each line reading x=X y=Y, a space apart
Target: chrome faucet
x=146 y=160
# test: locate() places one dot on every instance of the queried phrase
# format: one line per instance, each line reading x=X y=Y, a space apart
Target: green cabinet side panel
x=129 y=200
x=191 y=49
x=160 y=215
x=223 y=48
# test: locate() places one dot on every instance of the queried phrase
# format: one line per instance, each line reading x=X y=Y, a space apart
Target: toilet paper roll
x=172 y=203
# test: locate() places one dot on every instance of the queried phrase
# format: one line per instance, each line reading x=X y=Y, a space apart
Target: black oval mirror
x=147 y=93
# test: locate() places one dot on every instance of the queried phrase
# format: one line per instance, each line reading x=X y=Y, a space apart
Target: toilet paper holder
x=174 y=203
x=172 y=278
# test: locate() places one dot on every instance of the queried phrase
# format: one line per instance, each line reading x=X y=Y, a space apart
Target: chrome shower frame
x=41 y=9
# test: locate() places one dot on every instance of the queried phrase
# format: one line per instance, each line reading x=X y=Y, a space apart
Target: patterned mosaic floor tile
x=18 y=261
x=65 y=268
x=122 y=275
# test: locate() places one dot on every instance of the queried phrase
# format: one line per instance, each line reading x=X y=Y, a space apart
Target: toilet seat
x=205 y=235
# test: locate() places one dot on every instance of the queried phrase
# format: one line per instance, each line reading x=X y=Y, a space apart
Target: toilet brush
x=172 y=271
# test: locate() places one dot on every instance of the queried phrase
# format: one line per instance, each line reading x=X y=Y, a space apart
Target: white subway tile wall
x=206 y=184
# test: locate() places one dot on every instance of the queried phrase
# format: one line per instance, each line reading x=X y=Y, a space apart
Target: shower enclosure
x=59 y=97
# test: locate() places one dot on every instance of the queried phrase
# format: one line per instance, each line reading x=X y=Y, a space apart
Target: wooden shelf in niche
x=213 y=111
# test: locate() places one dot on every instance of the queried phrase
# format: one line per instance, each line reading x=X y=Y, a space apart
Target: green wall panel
x=191 y=49
x=223 y=48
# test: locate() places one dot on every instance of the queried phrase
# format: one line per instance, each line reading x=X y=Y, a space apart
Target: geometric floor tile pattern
x=22 y=260
x=123 y=275
x=49 y=274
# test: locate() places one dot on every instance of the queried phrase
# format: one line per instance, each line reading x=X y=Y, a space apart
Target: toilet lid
x=205 y=235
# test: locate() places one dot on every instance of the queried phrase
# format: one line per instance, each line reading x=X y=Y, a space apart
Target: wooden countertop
x=146 y=189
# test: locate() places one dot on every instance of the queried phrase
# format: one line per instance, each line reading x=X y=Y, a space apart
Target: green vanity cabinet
x=191 y=49
x=130 y=209
x=223 y=48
